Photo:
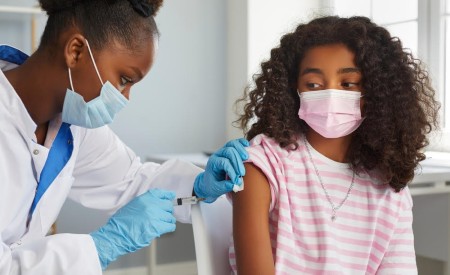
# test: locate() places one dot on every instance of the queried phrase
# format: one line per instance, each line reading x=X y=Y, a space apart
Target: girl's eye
x=350 y=84
x=312 y=85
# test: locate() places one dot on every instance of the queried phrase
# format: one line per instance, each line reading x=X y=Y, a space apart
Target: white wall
x=269 y=21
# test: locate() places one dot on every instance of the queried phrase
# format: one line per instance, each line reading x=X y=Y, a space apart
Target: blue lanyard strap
x=59 y=155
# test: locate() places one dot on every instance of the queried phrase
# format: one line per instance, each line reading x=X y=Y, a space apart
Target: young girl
x=341 y=116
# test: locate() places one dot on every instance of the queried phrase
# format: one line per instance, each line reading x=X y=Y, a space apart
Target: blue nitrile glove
x=227 y=161
x=135 y=225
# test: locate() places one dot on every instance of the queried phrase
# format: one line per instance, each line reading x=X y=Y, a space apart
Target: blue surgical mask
x=98 y=111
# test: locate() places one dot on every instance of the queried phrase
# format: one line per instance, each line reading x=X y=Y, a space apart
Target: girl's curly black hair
x=399 y=108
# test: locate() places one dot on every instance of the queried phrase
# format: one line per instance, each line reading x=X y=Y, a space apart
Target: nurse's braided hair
x=399 y=110
x=101 y=21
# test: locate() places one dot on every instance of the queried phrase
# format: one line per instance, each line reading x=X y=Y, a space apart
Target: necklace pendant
x=333 y=217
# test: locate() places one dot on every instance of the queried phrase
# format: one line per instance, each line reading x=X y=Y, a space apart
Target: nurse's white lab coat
x=102 y=173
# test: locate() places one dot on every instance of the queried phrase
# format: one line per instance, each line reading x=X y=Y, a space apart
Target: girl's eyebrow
x=311 y=71
x=349 y=70
x=340 y=71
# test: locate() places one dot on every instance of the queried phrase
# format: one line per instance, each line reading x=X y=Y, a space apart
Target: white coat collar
x=10 y=58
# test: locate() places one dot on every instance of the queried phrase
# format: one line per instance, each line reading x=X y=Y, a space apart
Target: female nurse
x=54 y=142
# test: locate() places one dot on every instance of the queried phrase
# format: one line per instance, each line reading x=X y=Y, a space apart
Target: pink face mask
x=331 y=113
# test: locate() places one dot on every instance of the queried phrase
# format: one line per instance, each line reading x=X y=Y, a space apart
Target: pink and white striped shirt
x=372 y=233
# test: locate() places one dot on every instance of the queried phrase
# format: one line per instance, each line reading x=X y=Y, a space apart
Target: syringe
x=195 y=200
x=187 y=201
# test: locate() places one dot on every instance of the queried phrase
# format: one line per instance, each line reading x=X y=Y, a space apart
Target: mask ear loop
x=93 y=61
x=70 y=80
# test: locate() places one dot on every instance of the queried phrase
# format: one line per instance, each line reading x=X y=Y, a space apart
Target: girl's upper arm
x=251 y=224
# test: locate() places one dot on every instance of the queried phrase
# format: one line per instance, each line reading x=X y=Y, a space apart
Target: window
x=445 y=98
x=424 y=28
x=385 y=13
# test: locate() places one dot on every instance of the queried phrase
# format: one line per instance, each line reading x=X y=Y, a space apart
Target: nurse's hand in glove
x=224 y=170
x=135 y=225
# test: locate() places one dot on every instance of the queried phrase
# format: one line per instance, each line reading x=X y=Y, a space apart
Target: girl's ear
x=73 y=50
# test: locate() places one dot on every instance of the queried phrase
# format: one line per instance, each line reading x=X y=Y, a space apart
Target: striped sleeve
x=263 y=154
x=400 y=256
